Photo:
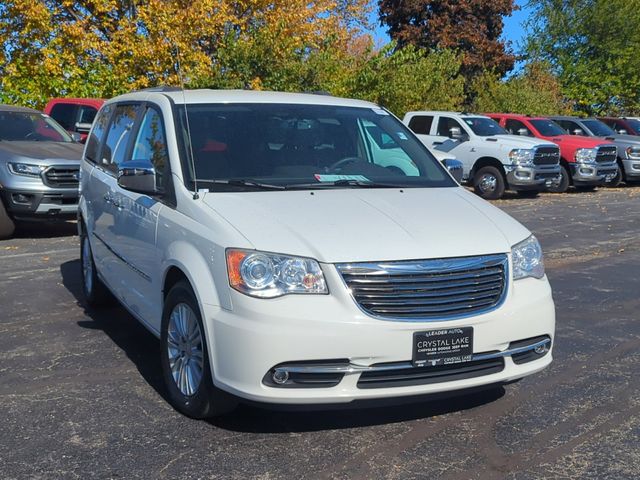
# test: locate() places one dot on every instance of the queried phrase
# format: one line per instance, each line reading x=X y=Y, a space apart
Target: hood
x=517 y=141
x=355 y=225
x=624 y=139
x=576 y=141
x=41 y=150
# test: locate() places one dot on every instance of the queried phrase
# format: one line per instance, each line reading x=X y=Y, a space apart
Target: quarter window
x=151 y=146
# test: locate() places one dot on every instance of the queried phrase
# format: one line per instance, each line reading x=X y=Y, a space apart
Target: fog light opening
x=541 y=349
x=280 y=376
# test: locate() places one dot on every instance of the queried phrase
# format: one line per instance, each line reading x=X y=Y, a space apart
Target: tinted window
x=30 y=127
x=97 y=133
x=514 y=126
x=421 y=124
x=151 y=146
x=548 y=128
x=569 y=126
x=118 y=136
x=634 y=125
x=304 y=146
x=484 y=127
x=65 y=114
x=445 y=124
x=87 y=114
x=598 y=128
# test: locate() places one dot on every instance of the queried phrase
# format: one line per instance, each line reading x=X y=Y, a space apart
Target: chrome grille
x=606 y=154
x=61 y=177
x=428 y=289
x=546 y=156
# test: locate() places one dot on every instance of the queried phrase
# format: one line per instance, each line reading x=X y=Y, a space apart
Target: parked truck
x=584 y=162
x=493 y=161
x=628 y=155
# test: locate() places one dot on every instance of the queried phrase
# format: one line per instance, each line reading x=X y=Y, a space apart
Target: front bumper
x=538 y=177
x=631 y=169
x=593 y=173
x=259 y=336
x=34 y=204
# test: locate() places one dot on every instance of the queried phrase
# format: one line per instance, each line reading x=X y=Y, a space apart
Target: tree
x=592 y=45
x=534 y=91
x=472 y=27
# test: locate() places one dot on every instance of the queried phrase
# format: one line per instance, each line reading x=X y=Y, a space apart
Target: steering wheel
x=344 y=161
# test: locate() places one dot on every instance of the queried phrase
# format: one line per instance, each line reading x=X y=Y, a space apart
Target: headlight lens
x=633 y=153
x=521 y=156
x=25 y=169
x=527 y=259
x=585 y=155
x=269 y=275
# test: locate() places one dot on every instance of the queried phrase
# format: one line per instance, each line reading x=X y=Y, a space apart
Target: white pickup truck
x=493 y=160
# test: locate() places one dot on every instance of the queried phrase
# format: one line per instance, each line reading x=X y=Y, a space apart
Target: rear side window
x=87 y=114
x=92 y=149
x=65 y=114
x=421 y=124
x=115 y=146
x=151 y=146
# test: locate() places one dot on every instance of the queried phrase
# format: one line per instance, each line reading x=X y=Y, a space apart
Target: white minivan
x=281 y=258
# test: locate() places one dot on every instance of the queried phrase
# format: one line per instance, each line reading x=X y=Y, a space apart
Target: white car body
x=141 y=243
x=475 y=151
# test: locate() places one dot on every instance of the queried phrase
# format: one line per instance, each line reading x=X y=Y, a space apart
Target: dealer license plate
x=442 y=347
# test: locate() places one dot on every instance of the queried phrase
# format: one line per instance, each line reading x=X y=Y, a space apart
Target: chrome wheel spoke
x=185 y=349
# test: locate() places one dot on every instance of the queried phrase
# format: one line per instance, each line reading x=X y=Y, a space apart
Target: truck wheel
x=185 y=359
x=563 y=186
x=617 y=180
x=7 y=227
x=488 y=182
x=95 y=292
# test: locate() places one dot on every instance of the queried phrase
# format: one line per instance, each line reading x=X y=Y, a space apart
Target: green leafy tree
x=534 y=91
x=592 y=45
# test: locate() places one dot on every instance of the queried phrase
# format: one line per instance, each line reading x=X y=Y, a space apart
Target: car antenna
x=192 y=162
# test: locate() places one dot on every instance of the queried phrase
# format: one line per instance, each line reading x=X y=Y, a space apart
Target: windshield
x=548 y=128
x=484 y=127
x=248 y=146
x=598 y=128
x=30 y=127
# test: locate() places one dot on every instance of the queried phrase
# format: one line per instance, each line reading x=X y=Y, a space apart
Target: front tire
x=565 y=181
x=185 y=359
x=488 y=182
x=617 y=180
x=7 y=227
x=95 y=292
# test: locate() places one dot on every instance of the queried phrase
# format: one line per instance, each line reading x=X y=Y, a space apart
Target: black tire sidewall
x=99 y=294
x=500 y=183
x=564 y=181
x=198 y=405
x=7 y=225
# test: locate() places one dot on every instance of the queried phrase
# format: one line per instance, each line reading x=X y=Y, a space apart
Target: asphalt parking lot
x=81 y=393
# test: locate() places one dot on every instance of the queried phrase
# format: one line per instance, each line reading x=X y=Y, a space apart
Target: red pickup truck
x=585 y=162
x=74 y=114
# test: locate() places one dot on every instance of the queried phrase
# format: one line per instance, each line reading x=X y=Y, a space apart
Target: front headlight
x=25 y=169
x=269 y=275
x=522 y=157
x=586 y=155
x=527 y=259
x=633 y=153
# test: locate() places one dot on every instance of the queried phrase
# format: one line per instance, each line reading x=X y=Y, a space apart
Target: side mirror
x=622 y=131
x=455 y=168
x=138 y=176
x=76 y=137
x=82 y=127
x=523 y=132
x=577 y=131
x=456 y=133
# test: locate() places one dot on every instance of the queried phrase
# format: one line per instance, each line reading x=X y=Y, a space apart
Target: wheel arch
x=488 y=162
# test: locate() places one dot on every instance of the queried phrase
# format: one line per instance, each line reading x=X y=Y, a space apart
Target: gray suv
x=628 y=145
x=39 y=169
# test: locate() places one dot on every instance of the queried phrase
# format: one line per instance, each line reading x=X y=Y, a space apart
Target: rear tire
x=565 y=181
x=7 y=227
x=95 y=292
x=488 y=182
x=184 y=357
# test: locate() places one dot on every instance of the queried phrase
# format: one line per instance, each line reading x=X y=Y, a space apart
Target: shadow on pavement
x=45 y=229
x=143 y=349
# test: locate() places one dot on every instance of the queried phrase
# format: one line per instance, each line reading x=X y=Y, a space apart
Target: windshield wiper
x=344 y=183
x=241 y=183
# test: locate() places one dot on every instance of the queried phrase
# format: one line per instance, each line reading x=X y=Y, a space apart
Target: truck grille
x=606 y=154
x=61 y=177
x=546 y=156
x=428 y=289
